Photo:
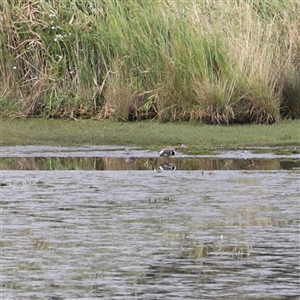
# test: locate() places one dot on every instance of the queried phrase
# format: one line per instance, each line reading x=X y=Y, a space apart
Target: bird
x=167 y=152
x=127 y=151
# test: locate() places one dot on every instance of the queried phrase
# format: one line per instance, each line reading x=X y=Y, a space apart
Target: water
x=118 y=158
x=146 y=234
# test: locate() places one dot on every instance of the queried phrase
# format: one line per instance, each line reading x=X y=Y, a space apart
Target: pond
x=76 y=223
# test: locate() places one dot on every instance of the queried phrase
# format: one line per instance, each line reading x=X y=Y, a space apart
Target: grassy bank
x=216 y=61
x=148 y=135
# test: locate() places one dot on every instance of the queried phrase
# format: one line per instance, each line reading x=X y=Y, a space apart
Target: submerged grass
x=198 y=138
x=217 y=61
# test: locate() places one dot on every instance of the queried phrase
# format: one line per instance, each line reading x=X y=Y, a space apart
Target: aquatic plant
x=220 y=62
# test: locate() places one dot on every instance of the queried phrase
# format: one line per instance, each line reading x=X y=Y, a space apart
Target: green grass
x=281 y=151
x=149 y=135
x=220 y=62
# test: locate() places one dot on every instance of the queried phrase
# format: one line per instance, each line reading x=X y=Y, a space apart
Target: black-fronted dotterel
x=167 y=152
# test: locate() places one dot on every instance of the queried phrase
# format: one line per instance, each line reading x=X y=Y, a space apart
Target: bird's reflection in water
x=166 y=166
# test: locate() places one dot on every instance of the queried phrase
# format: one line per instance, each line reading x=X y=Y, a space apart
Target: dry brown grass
x=220 y=62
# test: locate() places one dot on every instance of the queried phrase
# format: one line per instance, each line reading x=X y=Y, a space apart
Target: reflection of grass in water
x=252 y=191
x=144 y=163
x=26 y=231
x=200 y=252
x=51 y=163
x=244 y=180
x=74 y=163
x=252 y=216
x=206 y=197
x=180 y=244
x=11 y=285
x=44 y=184
x=296 y=171
x=242 y=218
x=26 y=266
x=42 y=245
x=99 y=272
x=259 y=221
x=3 y=244
x=174 y=235
x=161 y=199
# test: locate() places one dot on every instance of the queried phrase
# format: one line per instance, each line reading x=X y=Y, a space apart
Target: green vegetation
x=219 y=62
x=199 y=138
x=280 y=151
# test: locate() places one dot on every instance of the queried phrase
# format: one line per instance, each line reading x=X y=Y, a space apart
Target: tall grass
x=215 y=61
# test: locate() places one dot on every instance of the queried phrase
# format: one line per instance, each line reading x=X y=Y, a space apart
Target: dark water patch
x=136 y=163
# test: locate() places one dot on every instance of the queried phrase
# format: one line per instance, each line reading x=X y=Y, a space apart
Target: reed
x=220 y=62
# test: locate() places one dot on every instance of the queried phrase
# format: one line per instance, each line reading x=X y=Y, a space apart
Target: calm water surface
x=143 y=234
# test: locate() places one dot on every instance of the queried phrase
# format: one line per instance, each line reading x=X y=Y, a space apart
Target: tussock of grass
x=220 y=62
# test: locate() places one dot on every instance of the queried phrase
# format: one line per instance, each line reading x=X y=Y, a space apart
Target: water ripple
x=149 y=235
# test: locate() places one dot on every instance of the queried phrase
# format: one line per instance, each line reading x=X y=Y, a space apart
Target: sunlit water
x=146 y=234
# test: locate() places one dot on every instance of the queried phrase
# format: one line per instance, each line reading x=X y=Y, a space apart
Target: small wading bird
x=167 y=152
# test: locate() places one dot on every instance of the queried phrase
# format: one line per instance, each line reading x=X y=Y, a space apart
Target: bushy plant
x=215 y=61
